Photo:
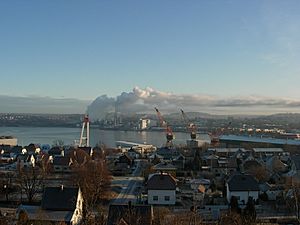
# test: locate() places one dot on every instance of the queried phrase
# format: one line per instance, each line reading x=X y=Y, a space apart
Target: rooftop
x=60 y=198
x=161 y=181
x=275 y=141
x=36 y=213
x=242 y=182
x=267 y=150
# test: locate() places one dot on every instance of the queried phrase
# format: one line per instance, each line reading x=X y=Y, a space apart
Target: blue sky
x=83 y=49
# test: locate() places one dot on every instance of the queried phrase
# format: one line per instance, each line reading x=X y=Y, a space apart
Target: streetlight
x=6 y=191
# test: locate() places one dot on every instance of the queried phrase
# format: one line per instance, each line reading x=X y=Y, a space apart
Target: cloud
x=35 y=104
x=100 y=107
x=144 y=100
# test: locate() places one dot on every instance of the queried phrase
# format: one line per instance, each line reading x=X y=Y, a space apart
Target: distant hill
x=288 y=117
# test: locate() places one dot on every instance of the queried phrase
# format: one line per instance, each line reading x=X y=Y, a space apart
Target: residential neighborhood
x=214 y=180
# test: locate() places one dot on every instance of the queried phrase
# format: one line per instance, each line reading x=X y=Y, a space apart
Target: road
x=129 y=185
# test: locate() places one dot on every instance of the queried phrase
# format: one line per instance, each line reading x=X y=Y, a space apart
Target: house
x=210 y=162
x=128 y=214
x=26 y=160
x=155 y=158
x=198 y=183
x=161 y=189
x=5 y=149
x=15 y=151
x=55 y=151
x=294 y=172
x=227 y=152
x=165 y=167
x=242 y=186
x=263 y=152
x=274 y=192
x=220 y=166
x=6 y=157
x=59 y=204
x=179 y=162
x=168 y=154
x=31 y=148
x=61 y=164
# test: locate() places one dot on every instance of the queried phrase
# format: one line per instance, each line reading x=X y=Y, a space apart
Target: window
x=167 y=198
x=155 y=198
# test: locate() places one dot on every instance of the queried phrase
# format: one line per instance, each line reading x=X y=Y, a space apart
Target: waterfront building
x=8 y=140
x=144 y=124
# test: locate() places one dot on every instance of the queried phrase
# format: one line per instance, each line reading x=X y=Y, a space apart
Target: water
x=47 y=135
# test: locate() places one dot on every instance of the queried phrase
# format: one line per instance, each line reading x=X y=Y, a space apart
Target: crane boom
x=191 y=127
x=168 y=129
x=215 y=137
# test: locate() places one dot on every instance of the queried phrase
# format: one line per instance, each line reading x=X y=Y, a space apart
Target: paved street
x=129 y=185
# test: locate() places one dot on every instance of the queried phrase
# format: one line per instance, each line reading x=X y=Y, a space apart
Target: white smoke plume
x=144 y=100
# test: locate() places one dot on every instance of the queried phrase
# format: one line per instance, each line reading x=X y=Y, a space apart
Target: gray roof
x=58 y=198
x=161 y=181
x=164 y=166
x=267 y=150
x=37 y=213
x=167 y=153
x=242 y=182
x=61 y=161
x=275 y=141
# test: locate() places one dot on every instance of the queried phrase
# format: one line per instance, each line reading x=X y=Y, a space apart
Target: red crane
x=215 y=136
x=168 y=129
x=191 y=127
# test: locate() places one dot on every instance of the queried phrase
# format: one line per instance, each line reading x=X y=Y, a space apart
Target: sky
x=79 y=50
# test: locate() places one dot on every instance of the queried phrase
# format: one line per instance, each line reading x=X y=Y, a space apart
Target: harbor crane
x=168 y=129
x=85 y=133
x=191 y=127
x=215 y=136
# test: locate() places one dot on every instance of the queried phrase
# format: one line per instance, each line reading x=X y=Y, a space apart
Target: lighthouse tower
x=85 y=133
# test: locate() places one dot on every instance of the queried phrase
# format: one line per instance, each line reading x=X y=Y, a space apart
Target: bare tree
x=6 y=184
x=58 y=143
x=259 y=172
x=231 y=218
x=163 y=216
x=94 y=180
x=45 y=164
x=30 y=181
x=293 y=196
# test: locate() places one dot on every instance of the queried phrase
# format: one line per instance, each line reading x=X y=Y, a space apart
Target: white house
x=161 y=189
x=242 y=186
